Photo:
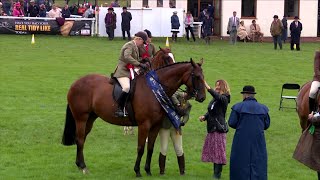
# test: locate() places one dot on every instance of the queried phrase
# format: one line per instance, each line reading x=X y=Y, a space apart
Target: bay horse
x=91 y=96
x=303 y=105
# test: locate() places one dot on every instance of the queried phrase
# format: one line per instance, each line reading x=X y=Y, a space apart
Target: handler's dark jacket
x=216 y=110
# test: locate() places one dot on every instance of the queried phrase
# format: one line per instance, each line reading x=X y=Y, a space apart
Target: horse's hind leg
x=153 y=133
x=81 y=123
x=142 y=135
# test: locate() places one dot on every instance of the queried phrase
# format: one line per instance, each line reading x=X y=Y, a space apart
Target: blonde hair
x=225 y=89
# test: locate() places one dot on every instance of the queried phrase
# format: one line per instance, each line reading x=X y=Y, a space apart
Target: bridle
x=195 y=89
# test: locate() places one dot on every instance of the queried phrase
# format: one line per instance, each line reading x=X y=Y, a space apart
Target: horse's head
x=195 y=83
x=162 y=58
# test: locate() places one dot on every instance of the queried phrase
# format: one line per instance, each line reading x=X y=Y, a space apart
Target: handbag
x=224 y=128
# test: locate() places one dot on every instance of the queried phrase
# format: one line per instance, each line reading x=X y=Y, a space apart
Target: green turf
x=35 y=80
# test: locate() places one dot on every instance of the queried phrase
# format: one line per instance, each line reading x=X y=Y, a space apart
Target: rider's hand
x=143 y=66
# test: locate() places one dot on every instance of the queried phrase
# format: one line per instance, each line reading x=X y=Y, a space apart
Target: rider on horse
x=315 y=83
x=148 y=50
x=129 y=56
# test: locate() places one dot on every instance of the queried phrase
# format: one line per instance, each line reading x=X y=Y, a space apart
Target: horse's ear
x=201 y=62
x=192 y=62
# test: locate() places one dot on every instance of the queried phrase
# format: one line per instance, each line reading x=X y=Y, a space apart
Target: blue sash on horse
x=163 y=99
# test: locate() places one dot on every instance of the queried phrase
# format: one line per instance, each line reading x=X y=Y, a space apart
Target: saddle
x=117 y=89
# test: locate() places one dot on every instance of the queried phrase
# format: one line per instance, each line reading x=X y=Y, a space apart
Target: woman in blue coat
x=248 y=158
x=175 y=25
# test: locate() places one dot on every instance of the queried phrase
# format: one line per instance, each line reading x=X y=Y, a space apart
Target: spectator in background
x=42 y=11
x=55 y=12
x=255 y=32
x=7 y=7
x=233 y=25
x=48 y=4
x=2 y=13
x=65 y=13
x=17 y=11
x=125 y=23
x=74 y=9
x=39 y=2
x=207 y=28
x=201 y=19
x=249 y=159
x=175 y=25
x=115 y=3
x=242 y=32
x=276 y=31
x=110 y=23
x=188 y=21
x=211 y=11
x=81 y=10
x=295 y=31
x=88 y=13
x=214 y=148
x=284 y=35
x=33 y=9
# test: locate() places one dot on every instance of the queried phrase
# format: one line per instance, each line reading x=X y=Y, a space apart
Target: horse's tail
x=69 y=133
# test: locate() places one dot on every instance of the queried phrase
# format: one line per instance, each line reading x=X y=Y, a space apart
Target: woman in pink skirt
x=214 y=148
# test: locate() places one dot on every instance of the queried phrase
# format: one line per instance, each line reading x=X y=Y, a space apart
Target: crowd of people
x=44 y=8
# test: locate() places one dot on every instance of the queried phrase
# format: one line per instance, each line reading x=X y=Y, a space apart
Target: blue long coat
x=249 y=152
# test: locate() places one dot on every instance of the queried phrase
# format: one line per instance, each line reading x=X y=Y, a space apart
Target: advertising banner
x=45 y=26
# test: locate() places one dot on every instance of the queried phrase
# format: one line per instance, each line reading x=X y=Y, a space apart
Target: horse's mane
x=184 y=62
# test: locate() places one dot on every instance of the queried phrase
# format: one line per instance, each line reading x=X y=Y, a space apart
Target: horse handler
x=183 y=107
x=307 y=150
x=315 y=83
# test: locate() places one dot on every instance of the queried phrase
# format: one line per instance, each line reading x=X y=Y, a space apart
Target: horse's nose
x=202 y=99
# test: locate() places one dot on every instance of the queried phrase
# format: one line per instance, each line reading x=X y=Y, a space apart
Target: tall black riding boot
x=162 y=163
x=311 y=104
x=121 y=101
x=318 y=175
x=217 y=169
x=181 y=164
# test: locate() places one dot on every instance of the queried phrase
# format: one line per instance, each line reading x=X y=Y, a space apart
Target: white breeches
x=176 y=140
x=125 y=83
x=314 y=89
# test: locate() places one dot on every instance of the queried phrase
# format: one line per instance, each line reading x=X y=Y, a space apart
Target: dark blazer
x=216 y=110
x=295 y=32
x=125 y=23
x=110 y=20
x=175 y=24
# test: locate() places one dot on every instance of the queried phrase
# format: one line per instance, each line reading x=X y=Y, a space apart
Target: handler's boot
x=311 y=104
x=217 y=169
x=121 y=101
x=318 y=175
x=162 y=163
x=181 y=164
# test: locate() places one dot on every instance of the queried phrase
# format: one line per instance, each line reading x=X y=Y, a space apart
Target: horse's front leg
x=153 y=133
x=142 y=135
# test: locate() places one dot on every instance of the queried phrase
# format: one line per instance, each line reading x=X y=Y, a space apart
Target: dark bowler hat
x=275 y=16
x=296 y=17
x=148 y=33
x=142 y=35
x=248 y=90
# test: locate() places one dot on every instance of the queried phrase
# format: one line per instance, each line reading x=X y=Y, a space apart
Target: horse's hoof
x=84 y=170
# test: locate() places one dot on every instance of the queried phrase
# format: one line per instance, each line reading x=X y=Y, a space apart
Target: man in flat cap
x=129 y=58
x=276 y=31
x=248 y=158
x=295 y=31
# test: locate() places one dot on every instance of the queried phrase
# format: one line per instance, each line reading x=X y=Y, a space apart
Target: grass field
x=35 y=80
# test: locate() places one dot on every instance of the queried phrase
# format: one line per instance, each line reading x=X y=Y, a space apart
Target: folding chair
x=286 y=88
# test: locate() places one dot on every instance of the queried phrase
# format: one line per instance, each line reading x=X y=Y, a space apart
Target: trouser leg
x=217 y=169
x=187 y=33
x=192 y=34
x=275 y=42
x=291 y=46
x=129 y=35
x=298 y=46
x=123 y=34
x=279 y=41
